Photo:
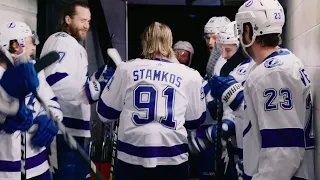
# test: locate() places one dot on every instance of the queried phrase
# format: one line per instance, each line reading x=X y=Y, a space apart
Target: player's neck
x=261 y=53
x=161 y=57
x=4 y=65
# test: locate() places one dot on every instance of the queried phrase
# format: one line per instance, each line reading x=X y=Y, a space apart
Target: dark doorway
x=186 y=23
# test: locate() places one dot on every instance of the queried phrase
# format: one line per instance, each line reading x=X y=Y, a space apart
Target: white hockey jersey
x=239 y=73
x=10 y=152
x=278 y=136
x=156 y=102
x=67 y=78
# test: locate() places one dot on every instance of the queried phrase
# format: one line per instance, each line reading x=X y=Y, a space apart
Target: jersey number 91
x=145 y=99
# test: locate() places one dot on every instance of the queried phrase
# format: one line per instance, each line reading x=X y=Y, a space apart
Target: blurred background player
x=184 y=52
x=210 y=35
x=227 y=38
x=156 y=101
x=289 y=98
x=215 y=63
x=17 y=38
x=75 y=90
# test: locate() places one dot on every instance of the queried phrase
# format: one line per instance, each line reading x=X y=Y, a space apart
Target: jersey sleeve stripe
x=152 y=151
x=10 y=166
x=76 y=123
x=36 y=160
x=56 y=77
x=286 y=137
x=107 y=113
x=247 y=129
x=54 y=99
x=194 y=124
x=15 y=166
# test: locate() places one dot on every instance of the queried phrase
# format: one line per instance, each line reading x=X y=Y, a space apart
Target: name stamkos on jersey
x=272 y=62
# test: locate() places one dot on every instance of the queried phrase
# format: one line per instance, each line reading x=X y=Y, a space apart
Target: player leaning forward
x=17 y=41
x=278 y=140
x=156 y=101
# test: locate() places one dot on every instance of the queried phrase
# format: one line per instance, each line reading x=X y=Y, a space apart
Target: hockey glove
x=205 y=135
x=97 y=82
x=228 y=90
x=45 y=132
x=20 y=80
x=198 y=139
x=22 y=121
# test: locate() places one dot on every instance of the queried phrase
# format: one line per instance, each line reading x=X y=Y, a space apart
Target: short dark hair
x=11 y=48
x=69 y=10
x=267 y=40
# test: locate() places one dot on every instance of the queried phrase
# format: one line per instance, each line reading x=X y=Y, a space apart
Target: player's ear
x=67 y=19
x=247 y=33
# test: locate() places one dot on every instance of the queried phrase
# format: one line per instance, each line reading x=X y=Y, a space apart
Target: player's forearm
x=279 y=163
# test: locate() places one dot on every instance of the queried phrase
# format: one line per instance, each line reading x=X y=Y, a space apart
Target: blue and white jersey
x=278 y=137
x=67 y=78
x=156 y=102
x=10 y=151
x=239 y=73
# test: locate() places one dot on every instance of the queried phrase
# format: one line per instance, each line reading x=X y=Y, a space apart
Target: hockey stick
x=115 y=56
x=68 y=138
x=229 y=66
x=214 y=56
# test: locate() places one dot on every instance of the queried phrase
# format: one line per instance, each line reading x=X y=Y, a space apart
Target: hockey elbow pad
x=199 y=140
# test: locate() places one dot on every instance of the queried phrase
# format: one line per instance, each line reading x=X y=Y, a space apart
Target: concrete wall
x=303 y=39
x=19 y=10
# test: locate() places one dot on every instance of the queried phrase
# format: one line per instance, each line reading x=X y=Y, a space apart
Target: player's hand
x=45 y=133
x=103 y=74
x=228 y=128
x=239 y=168
x=20 y=80
x=55 y=110
x=97 y=82
x=228 y=90
x=22 y=121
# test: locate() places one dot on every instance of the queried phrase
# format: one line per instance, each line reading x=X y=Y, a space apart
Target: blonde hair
x=156 y=41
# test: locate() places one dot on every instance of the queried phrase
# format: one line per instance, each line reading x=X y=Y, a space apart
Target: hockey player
x=17 y=38
x=210 y=35
x=156 y=101
x=211 y=29
x=69 y=81
x=184 y=52
x=277 y=88
x=228 y=39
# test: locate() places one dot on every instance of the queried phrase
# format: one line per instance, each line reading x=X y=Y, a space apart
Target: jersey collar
x=280 y=52
x=163 y=60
